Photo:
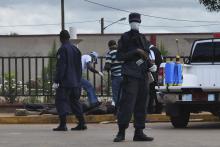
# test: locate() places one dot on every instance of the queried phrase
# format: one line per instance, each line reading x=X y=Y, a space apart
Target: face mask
x=134 y=25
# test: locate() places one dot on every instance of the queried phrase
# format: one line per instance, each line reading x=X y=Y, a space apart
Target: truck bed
x=197 y=76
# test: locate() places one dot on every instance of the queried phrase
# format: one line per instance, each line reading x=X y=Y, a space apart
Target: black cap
x=111 y=43
x=134 y=17
x=64 y=34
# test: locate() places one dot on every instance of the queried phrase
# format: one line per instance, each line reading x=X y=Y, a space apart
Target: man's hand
x=142 y=53
x=55 y=85
x=153 y=68
x=100 y=73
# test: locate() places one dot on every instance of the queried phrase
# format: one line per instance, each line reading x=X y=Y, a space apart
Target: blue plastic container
x=169 y=73
x=178 y=80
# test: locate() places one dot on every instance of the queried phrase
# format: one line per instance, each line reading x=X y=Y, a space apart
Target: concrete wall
x=96 y=42
x=38 y=45
x=26 y=45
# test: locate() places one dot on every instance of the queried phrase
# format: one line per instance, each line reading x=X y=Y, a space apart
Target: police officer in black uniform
x=67 y=83
x=133 y=49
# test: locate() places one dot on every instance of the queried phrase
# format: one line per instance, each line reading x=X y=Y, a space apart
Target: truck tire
x=180 y=121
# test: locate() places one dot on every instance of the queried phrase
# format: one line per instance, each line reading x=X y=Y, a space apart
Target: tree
x=49 y=71
x=162 y=49
x=14 y=34
x=9 y=90
x=211 y=5
x=51 y=66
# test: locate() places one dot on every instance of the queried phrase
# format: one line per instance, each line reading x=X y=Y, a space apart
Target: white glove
x=101 y=74
x=153 y=68
x=55 y=85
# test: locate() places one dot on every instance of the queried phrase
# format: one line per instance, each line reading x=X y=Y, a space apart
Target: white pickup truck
x=200 y=86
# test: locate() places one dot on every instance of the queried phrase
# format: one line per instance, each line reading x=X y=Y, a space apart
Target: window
x=217 y=52
x=203 y=52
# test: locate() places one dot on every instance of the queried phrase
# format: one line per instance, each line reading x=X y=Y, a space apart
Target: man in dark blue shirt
x=67 y=83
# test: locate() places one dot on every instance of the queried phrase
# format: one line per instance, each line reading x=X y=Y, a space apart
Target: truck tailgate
x=197 y=76
x=207 y=75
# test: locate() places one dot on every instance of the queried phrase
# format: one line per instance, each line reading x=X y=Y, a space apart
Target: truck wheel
x=181 y=120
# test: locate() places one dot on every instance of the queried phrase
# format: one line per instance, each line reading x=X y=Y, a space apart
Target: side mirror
x=186 y=61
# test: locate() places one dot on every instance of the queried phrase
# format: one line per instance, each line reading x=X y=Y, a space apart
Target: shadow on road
x=191 y=126
x=204 y=125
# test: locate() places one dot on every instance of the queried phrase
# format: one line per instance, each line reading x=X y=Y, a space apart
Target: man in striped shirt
x=113 y=65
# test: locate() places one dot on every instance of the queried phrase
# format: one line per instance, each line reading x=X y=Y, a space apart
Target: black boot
x=62 y=126
x=140 y=136
x=81 y=125
x=120 y=136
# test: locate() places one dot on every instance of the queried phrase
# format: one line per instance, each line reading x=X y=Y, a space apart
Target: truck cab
x=200 y=87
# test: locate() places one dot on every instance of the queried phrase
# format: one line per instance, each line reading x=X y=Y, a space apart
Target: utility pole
x=102 y=25
x=62 y=15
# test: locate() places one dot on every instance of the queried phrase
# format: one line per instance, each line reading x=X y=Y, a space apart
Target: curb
x=50 y=119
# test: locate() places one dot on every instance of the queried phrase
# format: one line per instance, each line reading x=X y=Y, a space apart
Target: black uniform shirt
x=127 y=52
x=68 y=67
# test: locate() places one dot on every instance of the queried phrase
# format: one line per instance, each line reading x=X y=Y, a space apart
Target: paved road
x=101 y=135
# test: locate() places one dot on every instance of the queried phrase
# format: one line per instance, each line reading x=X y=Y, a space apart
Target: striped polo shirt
x=115 y=64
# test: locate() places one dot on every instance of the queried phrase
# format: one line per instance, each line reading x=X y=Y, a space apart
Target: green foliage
x=32 y=100
x=49 y=70
x=162 y=49
x=211 y=5
x=52 y=53
x=8 y=76
x=51 y=65
x=14 y=34
x=9 y=90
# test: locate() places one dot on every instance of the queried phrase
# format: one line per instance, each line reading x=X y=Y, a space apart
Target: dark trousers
x=154 y=105
x=153 y=98
x=133 y=101
x=116 y=83
x=67 y=101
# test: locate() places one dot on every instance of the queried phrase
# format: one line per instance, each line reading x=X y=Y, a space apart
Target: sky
x=44 y=16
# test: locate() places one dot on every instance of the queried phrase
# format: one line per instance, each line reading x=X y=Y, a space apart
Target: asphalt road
x=101 y=135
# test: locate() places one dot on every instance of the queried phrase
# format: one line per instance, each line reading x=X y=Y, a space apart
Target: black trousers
x=152 y=98
x=133 y=100
x=67 y=101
